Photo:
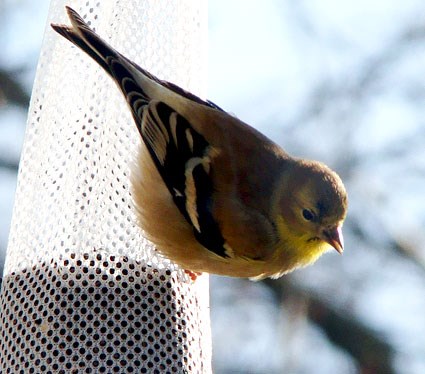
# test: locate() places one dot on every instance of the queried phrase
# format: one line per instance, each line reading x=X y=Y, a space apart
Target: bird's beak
x=334 y=237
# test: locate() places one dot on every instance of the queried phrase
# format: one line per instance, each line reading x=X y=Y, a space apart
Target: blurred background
x=338 y=81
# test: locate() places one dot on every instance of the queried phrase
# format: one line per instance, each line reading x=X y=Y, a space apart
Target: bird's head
x=313 y=204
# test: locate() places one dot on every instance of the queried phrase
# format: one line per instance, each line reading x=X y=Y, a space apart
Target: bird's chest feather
x=296 y=250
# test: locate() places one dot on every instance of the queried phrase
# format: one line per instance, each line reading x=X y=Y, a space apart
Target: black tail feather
x=116 y=65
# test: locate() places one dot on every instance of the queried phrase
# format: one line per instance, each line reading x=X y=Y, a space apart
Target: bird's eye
x=308 y=215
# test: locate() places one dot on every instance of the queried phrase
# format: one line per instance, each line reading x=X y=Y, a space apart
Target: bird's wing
x=183 y=158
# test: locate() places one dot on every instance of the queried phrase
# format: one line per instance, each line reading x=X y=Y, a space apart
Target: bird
x=212 y=193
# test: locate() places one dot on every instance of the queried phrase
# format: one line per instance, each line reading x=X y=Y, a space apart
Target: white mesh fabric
x=82 y=290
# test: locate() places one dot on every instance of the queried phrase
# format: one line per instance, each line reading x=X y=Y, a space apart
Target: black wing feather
x=159 y=125
x=173 y=170
x=209 y=235
x=173 y=162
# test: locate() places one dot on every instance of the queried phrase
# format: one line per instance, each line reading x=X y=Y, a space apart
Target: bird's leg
x=193 y=274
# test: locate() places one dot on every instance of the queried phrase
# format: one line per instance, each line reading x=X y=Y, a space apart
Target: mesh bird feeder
x=83 y=291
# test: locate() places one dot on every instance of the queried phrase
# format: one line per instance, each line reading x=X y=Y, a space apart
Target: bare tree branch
x=9 y=165
x=11 y=91
x=372 y=353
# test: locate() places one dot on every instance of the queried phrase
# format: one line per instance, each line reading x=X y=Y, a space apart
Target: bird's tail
x=85 y=38
x=125 y=73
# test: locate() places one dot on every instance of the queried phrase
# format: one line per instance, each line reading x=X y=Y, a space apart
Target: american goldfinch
x=212 y=193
